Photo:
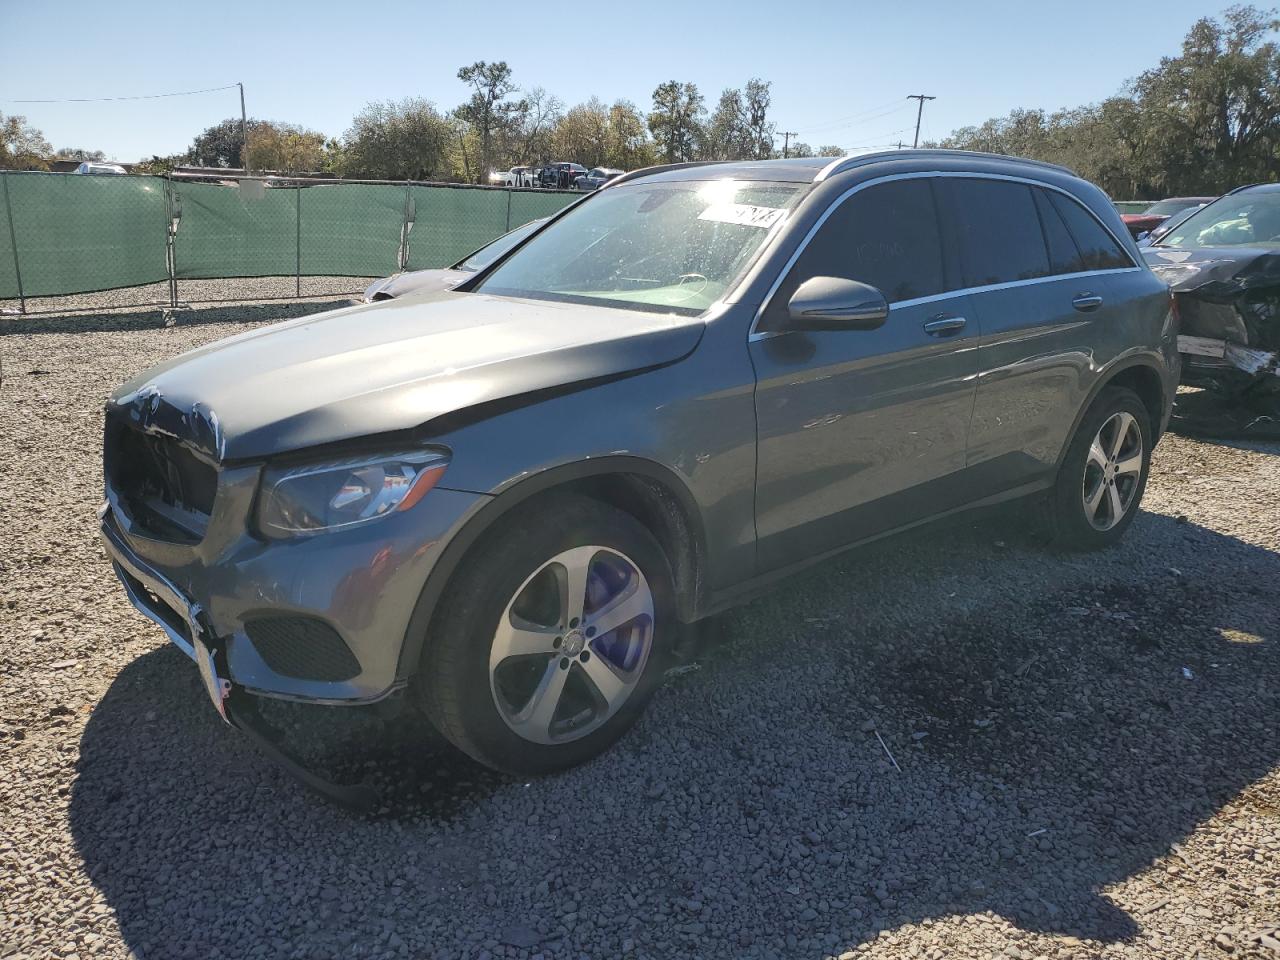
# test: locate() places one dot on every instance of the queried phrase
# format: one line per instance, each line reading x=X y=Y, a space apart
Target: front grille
x=166 y=488
x=302 y=647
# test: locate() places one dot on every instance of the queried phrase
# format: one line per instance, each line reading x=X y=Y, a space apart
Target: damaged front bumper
x=1229 y=309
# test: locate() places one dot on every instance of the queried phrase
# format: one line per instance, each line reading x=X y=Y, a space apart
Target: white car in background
x=101 y=169
x=515 y=177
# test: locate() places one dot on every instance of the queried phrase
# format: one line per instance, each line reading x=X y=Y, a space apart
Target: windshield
x=1167 y=208
x=1249 y=219
x=662 y=247
x=486 y=255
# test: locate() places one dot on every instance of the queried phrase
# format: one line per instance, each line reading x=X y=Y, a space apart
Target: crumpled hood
x=1214 y=272
x=389 y=366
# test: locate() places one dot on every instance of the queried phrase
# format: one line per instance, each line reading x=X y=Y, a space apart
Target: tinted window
x=1064 y=255
x=1098 y=249
x=999 y=231
x=886 y=235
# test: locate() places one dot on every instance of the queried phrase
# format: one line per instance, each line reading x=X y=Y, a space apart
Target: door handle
x=1085 y=302
x=944 y=325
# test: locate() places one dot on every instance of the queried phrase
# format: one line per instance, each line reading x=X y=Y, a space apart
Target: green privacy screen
x=76 y=234
x=351 y=229
x=227 y=231
x=450 y=222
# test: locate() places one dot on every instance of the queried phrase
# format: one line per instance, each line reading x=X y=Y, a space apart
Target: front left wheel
x=551 y=638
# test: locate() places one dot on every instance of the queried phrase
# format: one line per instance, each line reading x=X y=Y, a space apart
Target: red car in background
x=1159 y=212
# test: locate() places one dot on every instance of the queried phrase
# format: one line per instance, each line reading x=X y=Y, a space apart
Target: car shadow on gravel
x=152 y=318
x=1044 y=747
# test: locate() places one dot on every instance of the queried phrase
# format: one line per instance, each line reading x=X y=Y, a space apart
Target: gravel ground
x=193 y=292
x=1085 y=749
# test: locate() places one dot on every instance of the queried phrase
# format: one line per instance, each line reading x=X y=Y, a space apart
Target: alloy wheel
x=1112 y=471
x=571 y=645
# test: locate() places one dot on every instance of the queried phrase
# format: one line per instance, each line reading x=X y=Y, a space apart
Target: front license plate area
x=216 y=687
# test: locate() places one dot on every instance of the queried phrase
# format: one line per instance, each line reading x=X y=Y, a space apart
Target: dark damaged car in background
x=500 y=501
x=1223 y=264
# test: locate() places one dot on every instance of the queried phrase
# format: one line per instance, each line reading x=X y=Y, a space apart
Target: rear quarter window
x=1099 y=250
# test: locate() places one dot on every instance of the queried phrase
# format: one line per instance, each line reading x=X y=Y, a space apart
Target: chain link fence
x=166 y=240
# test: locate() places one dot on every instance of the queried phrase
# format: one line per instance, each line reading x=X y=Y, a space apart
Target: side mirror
x=832 y=303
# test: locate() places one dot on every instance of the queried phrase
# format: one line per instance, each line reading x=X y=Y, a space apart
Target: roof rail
x=841 y=164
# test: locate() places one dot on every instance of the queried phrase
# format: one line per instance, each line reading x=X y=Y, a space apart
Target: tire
x=474 y=682
x=1090 y=475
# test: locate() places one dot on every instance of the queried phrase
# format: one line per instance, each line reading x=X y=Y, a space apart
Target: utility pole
x=900 y=144
x=244 y=133
x=919 y=112
x=786 y=141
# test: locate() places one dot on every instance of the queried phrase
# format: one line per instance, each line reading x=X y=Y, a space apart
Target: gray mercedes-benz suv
x=503 y=500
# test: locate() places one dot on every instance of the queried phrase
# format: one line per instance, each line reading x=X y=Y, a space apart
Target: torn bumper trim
x=1246 y=359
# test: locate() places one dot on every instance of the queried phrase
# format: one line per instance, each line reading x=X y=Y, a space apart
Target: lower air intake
x=303 y=648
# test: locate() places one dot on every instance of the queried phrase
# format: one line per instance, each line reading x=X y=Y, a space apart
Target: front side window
x=661 y=247
x=999 y=231
x=1250 y=219
x=885 y=235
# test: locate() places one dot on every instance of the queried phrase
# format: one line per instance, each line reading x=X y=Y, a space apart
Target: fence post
x=169 y=243
x=510 y=188
x=404 y=229
x=297 y=221
x=13 y=241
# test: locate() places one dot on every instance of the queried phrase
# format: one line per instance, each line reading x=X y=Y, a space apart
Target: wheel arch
x=1140 y=375
x=645 y=489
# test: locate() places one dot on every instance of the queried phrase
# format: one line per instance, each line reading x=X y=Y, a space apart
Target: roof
x=814 y=169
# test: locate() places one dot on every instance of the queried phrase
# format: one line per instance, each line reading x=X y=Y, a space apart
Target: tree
x=220 y=145
x=22 y=146
x=756 y=100
x=726 y=135
x=1202 y=122
x=542 y=113
x=286 y=148
x=405 y=140
x=488 y=109
x=676 y=120
x=582 y=134
x=79 y=153
x=627 y=146
x=828 y=150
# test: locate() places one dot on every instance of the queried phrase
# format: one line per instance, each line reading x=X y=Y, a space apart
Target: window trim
x=757 y=334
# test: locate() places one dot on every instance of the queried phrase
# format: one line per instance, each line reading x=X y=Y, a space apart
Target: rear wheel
x=552 y=638
x=1104 y=474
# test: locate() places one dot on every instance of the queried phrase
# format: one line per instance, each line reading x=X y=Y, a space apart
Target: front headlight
x=314 y=497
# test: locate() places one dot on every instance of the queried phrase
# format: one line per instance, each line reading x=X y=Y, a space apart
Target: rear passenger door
x=1042 y=271
x=861 y=431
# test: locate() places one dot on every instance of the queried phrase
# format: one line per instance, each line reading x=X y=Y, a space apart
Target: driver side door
x=863 y=431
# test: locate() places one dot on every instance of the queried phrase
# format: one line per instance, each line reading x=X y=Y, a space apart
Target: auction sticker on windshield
x=746 y=214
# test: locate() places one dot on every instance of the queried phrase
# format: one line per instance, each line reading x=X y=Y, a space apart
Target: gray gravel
x=1086 y=749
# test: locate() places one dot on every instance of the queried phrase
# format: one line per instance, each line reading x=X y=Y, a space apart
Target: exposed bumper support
x=160 y=601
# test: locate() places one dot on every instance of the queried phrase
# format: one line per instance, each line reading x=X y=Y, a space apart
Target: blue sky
x=840 y=71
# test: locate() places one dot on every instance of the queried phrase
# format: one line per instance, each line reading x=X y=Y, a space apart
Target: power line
x=856 y=120
x=145 y=96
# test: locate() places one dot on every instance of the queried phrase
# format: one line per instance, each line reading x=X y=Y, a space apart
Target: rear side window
x=1098 y=249
x=999 y=231
x=885 y=235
